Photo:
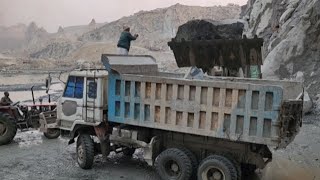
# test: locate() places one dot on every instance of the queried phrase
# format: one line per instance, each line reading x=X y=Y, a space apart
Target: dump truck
x=204 y=128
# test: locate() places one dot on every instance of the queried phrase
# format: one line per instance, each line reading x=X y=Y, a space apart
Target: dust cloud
x=284 y=169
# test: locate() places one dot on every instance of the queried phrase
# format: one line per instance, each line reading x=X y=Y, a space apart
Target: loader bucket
x=220 y=46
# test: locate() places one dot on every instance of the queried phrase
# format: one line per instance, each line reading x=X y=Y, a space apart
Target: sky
x=51 y=14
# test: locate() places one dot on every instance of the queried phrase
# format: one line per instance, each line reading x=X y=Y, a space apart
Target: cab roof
x=89 y=72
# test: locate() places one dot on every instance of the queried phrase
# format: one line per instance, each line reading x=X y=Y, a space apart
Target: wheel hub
x=50 y=131
x=3 y=129
x=217 y=175
x=172 y=169
x=213 y=173
x=80 y=153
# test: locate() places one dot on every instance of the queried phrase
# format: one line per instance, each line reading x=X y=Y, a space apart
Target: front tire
x=85 y=151
x=8 y=128
x=52 y=133
x=217 y=168
x=173 y=164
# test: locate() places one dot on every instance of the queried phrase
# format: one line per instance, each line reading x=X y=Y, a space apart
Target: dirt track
x=31 y=156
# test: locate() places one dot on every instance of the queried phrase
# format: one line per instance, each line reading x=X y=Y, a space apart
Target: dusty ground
x=31 y=156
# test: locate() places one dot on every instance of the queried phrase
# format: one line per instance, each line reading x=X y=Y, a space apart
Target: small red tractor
x=23 y=117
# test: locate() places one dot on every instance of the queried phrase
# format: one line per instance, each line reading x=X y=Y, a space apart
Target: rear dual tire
x=218 y=168
x=173 y=164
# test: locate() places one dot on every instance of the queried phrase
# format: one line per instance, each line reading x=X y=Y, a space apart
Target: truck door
x=93 y=108
x=72 y=100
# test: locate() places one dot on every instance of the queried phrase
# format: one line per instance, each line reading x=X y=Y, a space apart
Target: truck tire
x=194 y=161
x=85 y=151
x=8 y=128
x=52 y=133
x=217 y=167
x=235 y=163
x=173 y=164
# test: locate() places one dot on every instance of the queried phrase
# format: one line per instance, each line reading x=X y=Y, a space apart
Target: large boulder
x=209 y=29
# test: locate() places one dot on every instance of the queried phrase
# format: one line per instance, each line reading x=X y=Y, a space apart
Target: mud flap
x=102 y=134
x=151 y=151
x=291 y=121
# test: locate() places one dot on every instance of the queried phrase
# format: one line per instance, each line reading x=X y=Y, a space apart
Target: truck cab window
x=74 y=87
x=92 y=92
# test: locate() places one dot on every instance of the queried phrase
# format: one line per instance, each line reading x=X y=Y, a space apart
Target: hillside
x=87 y=42
x=156 y=27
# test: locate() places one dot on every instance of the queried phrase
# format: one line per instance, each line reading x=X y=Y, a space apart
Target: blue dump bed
x=252 y=111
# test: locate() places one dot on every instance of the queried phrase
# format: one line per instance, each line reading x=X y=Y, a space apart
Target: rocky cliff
x=291 y=30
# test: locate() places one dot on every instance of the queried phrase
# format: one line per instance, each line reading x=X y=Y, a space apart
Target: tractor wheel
x=173 y=164
x=8 y=128
x=218 y=168
x=85 y=151
x=52 y=133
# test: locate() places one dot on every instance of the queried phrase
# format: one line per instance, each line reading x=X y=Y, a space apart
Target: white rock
x=300 y=76
x=312 y=74
x=307 y=103
x=317 y=104
x=286 y=15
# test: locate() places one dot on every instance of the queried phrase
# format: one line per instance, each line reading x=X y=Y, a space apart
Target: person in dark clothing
x=125 y=41
x=5 y=101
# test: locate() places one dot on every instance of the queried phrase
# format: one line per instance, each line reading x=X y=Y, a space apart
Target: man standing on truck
x=5 y=101
x=125 y=41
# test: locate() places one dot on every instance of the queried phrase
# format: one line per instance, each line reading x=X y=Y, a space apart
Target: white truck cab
x=84 y=99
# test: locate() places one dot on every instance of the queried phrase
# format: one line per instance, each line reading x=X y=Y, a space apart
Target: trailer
x=209 y=128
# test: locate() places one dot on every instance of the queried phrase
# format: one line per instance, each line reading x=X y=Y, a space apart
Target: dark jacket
x=125 y=39
x=5 y=101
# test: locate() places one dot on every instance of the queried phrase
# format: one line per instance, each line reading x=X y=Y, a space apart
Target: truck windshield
x=74 y=88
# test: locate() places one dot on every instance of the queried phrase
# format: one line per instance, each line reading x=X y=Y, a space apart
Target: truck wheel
x=128 y=151
x=8 y=128
x=85 y=151
x=235 y=163
x=217 y=168
x=193 y=159
x=173 y=164
x=52 y=133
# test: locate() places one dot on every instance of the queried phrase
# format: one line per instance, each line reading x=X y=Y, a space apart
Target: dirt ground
x=31 y=156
